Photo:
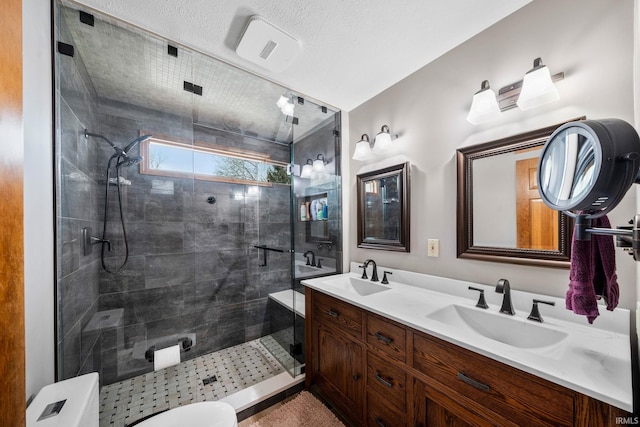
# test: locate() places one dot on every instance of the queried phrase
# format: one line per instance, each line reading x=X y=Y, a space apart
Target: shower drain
x=209 y=380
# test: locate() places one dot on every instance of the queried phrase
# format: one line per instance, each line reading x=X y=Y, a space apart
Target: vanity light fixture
x=287 y=110
x=537 y=87
x=307 y=169
x=318 y=163
x=285 y=105
x=382 y=143
x=363 y=149
x=484 y=106
x=282 y=101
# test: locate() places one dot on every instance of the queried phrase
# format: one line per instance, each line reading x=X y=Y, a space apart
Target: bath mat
x=303 y=410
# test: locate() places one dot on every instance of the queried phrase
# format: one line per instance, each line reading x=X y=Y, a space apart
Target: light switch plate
x=433 y=247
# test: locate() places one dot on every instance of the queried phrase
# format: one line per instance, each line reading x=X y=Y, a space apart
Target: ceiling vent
x=267 y=45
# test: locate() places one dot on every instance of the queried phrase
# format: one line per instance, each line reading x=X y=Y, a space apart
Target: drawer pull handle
x=356 y=377
x=333 y=313
x=384 y=381
x=383 y=338
x=379 y=421
x=473 y=383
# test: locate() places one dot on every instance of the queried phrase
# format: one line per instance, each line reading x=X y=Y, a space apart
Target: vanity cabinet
x=487 y=389
x=339 y=369
x=414 y=379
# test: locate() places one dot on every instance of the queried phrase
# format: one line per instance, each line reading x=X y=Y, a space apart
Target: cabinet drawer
x=516 y=395
x=386 y=336
x=331 y=311
x=387 y=380
x=380 y=414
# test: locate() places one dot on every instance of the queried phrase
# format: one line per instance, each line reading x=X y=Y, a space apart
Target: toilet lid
x=202 y=414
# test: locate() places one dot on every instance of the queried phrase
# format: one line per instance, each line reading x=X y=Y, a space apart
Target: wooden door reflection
x=537 y=223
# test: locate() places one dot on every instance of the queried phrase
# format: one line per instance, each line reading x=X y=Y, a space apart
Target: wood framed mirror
x=500 y=215
x=383 y=208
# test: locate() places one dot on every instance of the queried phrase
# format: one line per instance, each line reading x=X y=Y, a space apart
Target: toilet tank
x=79 y=410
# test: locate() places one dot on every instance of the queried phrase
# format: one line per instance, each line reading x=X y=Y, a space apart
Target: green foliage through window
x=214 y=164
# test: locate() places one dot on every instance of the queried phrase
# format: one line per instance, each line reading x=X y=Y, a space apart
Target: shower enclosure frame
x=58 y=195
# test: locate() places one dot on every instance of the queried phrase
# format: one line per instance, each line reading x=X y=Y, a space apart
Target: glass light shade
x=288 y=109
x=318 y=164
x=363 y=149
x=484 y=106
x=382 y=142
x=307 y=169
x=537 y=89
x=282 y=101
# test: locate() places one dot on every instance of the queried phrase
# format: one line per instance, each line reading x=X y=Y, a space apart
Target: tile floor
x=272 y=343
x=235 y=368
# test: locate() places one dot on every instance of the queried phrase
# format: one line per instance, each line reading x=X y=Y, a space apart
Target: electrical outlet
x=433 y=247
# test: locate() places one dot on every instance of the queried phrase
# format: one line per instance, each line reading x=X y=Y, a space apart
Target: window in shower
x=208 y=162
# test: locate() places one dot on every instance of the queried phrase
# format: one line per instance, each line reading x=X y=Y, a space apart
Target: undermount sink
x=358 y=286
x=498 y=327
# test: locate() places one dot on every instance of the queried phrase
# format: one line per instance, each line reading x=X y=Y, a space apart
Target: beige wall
x=590 y=40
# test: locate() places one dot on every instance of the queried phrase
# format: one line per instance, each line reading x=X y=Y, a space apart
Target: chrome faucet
x=374 y=275
x=503 y=287
x=313 y=258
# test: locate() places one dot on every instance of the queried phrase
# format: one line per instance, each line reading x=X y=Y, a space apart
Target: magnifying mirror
x=585 y=170
x=586 y=167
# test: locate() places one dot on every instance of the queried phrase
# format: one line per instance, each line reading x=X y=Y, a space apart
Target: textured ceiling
x=133 y=67
x=351 y=49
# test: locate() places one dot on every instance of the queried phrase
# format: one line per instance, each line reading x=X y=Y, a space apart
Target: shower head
x=135 y=142
x=119 y=150
x=129 y=161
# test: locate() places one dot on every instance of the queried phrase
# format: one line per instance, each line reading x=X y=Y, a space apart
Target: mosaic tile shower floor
x=235 y=368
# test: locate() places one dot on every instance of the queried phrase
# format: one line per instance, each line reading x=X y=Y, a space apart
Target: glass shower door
x=315 y=208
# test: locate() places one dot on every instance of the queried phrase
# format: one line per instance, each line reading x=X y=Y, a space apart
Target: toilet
x=68 y=403
x=75 y=403
x=201 y=414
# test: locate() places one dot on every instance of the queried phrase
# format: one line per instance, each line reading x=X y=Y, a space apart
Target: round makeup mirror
x=587 y=167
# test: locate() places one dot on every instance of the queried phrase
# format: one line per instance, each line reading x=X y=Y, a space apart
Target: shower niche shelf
x=312 y=208
x=313 y=212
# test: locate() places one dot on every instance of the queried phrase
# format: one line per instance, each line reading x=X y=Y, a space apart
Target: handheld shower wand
x=135 y=142
x=121 y=158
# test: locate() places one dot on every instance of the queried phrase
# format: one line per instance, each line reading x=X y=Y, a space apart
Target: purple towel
x=593 y=273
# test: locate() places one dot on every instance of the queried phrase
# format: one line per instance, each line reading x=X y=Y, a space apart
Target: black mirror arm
x=627 y=237
x=583 y=230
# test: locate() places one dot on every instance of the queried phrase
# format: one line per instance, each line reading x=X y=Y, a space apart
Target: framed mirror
x=383 y=208
x=500 y=214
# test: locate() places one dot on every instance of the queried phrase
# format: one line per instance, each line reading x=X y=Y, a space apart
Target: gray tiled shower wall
x=192 y=267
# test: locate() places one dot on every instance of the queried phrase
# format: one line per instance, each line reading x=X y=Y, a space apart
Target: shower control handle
x=95 y=240
x=88 y=241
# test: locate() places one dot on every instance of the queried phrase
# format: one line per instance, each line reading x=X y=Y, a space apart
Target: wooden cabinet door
x=438 y=408
x=340 y=364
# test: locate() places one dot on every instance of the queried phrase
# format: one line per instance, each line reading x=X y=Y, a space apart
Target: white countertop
x=593 y=359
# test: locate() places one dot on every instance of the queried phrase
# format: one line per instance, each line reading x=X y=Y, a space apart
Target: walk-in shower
x=180 y=161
